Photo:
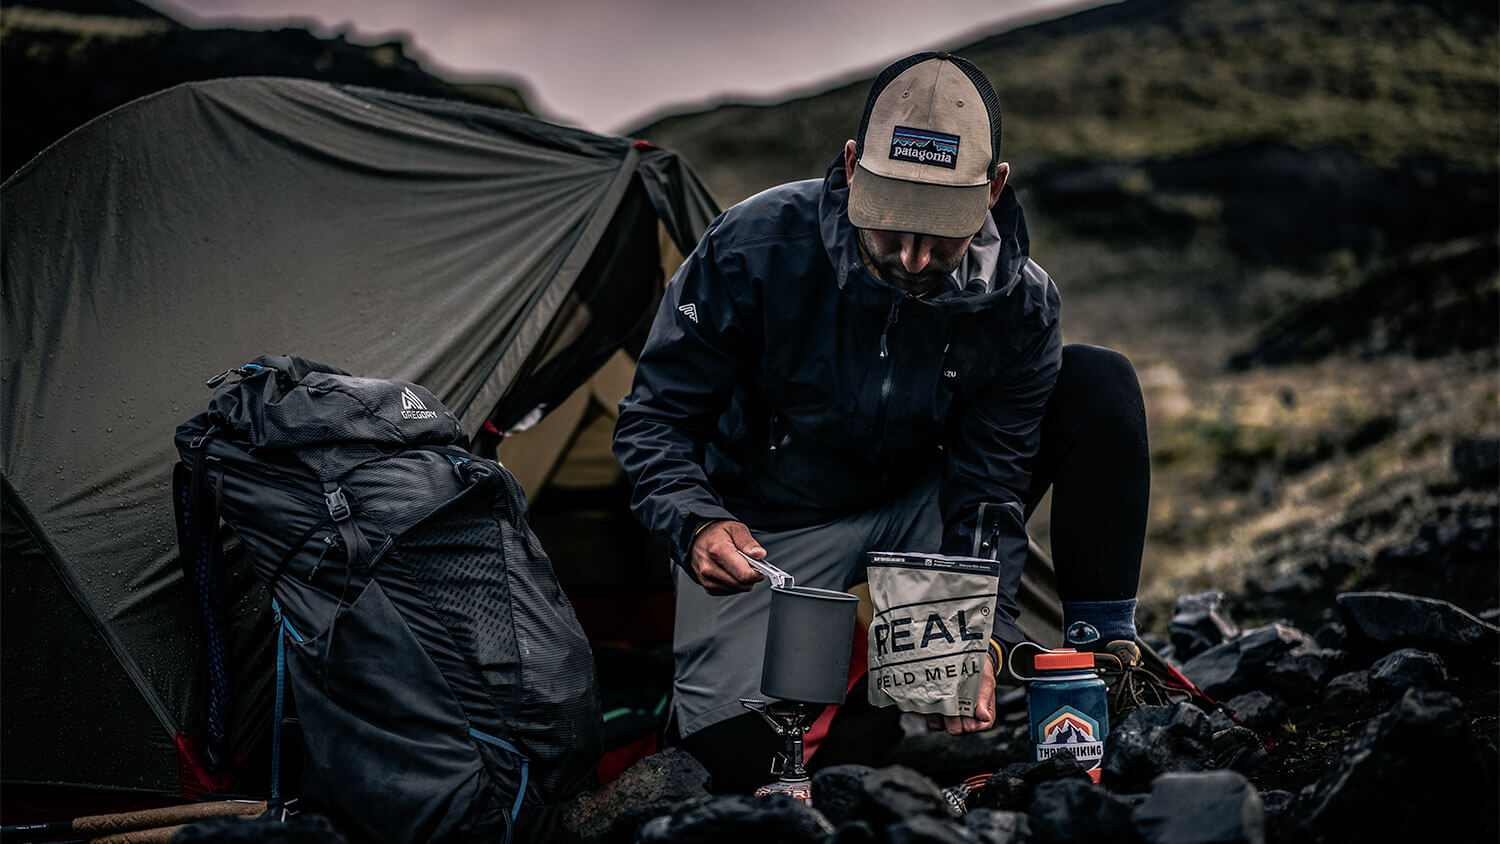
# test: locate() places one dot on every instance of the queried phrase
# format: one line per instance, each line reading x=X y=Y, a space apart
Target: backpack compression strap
x=198 y=545
x=355 y=544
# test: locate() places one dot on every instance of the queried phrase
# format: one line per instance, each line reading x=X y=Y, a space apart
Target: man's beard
x=893 y=273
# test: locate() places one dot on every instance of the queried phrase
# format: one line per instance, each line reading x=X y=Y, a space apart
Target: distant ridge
x=50 y=83
x=1161 y=79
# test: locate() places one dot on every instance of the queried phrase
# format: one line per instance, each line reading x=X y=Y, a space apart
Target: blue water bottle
x=1068 y=707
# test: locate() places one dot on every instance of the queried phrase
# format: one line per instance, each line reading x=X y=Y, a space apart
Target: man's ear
x=850 y=159
x=997 y=184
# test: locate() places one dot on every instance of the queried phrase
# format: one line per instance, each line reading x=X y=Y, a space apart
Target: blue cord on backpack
x=281 y=635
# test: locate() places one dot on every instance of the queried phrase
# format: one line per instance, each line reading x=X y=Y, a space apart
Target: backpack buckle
x=338 y=505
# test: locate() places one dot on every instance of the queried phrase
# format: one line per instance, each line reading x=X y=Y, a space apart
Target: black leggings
x=1093 y=454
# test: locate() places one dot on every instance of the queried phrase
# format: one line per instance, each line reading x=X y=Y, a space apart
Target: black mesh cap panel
x=981 y=83
x=879 y=85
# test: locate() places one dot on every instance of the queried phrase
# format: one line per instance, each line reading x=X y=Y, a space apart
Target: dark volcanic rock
x=1347 y=692
x=1199 y=622
x=739 y=819
x=1013 y=786
x=947 y=759
x=1161 y=644
x=650 y=787
x=1416 y=773
x=1155 y=740
x=855 y=832
x=994 y=826
x=1073 y=810
x=1408 y=668
x=1398 y=620
x=1237 y=748
x=1276 y=801
x=879 y=796
x=925 y=830
x=1212 y=806
x=1299 y=676
x=1257 y=709
x=1330 y=635
x=1237 y=666
x=839 y=790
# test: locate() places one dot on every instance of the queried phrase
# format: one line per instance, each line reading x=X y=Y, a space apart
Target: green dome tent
x=494 y=258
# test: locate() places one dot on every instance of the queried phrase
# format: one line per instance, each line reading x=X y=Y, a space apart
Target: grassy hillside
x=1306 y=190
x=1171 y=78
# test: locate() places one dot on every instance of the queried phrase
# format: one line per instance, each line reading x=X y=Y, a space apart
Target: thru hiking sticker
x=1071 y=730
x=927 y=642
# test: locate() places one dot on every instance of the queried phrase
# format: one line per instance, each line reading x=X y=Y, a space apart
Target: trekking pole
x=144 y=819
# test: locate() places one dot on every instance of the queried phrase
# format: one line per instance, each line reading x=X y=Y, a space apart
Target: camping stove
x=791 y=720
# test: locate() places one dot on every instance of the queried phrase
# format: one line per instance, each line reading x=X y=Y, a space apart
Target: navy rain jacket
x=784 y=385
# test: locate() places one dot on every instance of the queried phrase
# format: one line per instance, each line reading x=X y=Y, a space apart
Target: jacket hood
x=840 y=241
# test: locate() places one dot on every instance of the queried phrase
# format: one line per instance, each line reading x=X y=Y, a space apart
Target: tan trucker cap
x=928 y=146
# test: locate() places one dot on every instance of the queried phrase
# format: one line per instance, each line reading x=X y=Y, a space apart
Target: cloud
x=605 y=63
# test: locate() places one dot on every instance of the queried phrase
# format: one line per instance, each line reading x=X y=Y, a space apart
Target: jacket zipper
x=890 y=373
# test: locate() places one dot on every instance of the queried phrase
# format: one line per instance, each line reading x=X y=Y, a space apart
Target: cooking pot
x=808 y=639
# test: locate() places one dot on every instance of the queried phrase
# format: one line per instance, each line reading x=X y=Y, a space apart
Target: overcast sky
x=607 y=64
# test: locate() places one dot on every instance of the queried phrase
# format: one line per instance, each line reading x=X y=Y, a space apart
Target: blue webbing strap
x=525 y=766
x=280 y=700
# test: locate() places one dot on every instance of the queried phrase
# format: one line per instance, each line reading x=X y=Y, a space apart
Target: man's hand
x=984 y=709
x=715 y=560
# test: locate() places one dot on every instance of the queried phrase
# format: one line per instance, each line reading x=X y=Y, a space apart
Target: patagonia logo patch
x=925 y=147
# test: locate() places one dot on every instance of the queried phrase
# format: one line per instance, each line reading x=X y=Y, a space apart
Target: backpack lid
x=289 y=402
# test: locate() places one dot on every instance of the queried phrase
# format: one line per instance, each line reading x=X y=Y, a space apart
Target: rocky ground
x=1359 y=714
x=1362 y=704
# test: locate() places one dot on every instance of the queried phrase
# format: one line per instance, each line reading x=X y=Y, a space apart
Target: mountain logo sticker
x=1070 y=730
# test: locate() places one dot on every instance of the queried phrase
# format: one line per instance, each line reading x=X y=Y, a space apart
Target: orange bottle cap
x=1064 y=658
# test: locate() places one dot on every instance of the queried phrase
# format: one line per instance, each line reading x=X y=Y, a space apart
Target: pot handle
x=778 y=577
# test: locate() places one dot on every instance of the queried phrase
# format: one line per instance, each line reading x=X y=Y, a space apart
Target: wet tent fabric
x=493 y=258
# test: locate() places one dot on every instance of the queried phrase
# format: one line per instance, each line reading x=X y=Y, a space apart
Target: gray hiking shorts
x=720 y=642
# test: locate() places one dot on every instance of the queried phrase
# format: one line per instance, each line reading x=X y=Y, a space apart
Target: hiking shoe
x=1130 y=683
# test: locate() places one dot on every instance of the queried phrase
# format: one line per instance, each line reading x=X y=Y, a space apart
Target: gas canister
x=1068 y=708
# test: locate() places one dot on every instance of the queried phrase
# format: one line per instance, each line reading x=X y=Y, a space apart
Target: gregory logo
x=690 y=311
x=412 y=406
x=925 y=147
x=1071 y=730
